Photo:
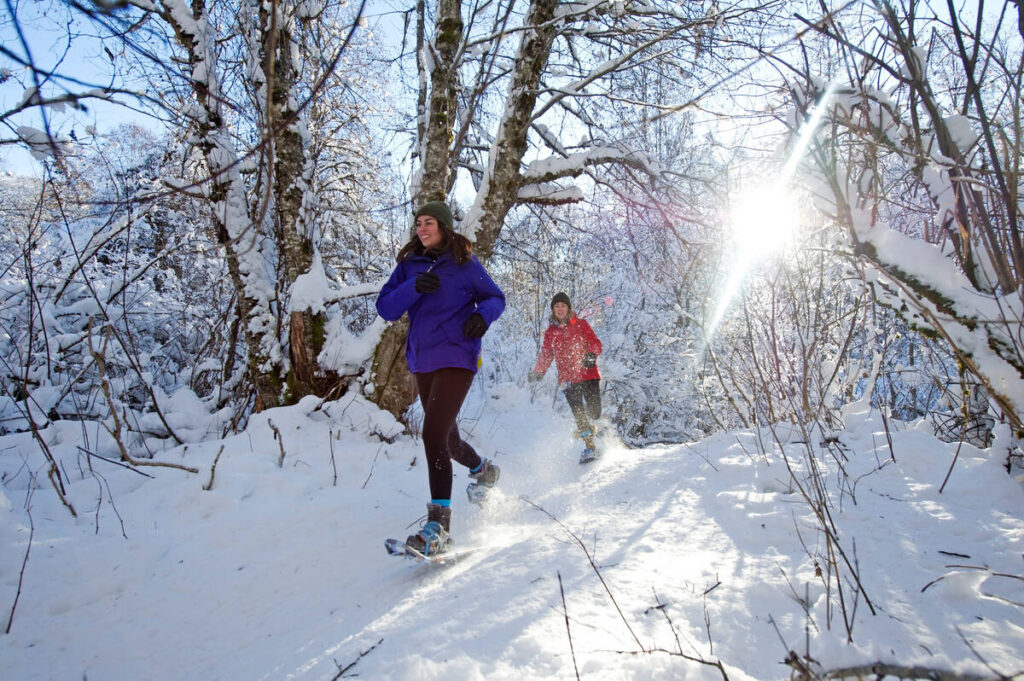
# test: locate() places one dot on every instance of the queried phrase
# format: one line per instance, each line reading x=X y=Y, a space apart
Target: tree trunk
x=239 y=236
x=394 y=386
x=289 y=165
x=500 y=190
x=437 y=144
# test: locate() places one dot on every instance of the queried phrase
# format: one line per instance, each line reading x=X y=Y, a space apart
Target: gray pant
x=584 y=399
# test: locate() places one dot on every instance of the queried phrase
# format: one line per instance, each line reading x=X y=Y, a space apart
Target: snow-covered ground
x=700 y=552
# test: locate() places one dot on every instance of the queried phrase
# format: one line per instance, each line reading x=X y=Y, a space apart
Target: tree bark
x=500 y=190
x=394 y=385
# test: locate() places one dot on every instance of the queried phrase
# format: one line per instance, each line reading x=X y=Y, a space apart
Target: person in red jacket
x=573 y=346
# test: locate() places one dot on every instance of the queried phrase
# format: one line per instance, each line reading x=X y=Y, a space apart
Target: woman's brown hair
x=461 y=247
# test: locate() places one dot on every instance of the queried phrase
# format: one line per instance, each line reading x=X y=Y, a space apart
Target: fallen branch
x=881 y=670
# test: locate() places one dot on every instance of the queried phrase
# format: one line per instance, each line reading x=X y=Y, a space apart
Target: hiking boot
x=487 y=475
x=483 y=480
x=588 y=455
x=433 y=538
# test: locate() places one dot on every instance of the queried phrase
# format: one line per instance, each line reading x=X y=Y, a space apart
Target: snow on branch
x=941 y=299
x=314 y=291
x=546 y=170
x=549 y=194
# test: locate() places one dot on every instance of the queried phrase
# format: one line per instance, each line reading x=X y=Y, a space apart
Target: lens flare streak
x=769 y=204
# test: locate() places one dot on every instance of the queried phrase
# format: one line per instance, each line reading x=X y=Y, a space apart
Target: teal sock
x=477 y=469
x=446 y=503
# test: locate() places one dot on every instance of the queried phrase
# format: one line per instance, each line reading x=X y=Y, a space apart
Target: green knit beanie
x=438 y=210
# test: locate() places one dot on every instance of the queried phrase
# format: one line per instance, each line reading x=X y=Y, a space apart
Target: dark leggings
x=584 y=399
x=441 y=394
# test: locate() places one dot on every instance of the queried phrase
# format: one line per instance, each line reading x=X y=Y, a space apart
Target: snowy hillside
x=700 y=553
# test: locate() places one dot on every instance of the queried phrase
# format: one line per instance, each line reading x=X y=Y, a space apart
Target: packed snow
x=650 y=563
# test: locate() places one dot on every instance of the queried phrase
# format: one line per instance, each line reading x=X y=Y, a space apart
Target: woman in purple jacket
x=451 y=302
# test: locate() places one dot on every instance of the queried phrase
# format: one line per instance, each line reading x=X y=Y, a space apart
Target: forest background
x=767 y=210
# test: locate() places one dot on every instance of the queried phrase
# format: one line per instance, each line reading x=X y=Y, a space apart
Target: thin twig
x=981 y=659
x=579 y=542
x=24 y=563
x=568 y=631
x=213 y=468
x=663 y=607
x=334 y=466
x=717 y=664
x=373 y=464
x=951 y=465
x=113 y=461
x=888 y=435
x=362 y=654
x=280 y=442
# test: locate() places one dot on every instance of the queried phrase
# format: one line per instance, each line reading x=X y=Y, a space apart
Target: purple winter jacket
x=435 y=339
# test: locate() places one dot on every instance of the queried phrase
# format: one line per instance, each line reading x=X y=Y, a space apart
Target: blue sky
x=44 y=39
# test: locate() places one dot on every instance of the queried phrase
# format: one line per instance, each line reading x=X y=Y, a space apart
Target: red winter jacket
x=566 y=344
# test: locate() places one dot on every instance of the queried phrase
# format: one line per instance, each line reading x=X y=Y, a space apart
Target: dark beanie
x=438 y=210
x=560 y=297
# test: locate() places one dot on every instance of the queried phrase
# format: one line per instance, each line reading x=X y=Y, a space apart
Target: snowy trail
x=280 y=573
x=497 y=614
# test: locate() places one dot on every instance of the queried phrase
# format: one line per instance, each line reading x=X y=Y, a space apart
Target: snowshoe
x=589 y=454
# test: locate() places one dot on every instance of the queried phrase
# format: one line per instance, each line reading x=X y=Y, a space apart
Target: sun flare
x=763 y=221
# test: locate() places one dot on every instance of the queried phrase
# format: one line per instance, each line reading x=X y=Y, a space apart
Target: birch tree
x=251 y=64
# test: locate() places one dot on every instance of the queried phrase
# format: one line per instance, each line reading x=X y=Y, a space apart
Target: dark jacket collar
x=435 y=254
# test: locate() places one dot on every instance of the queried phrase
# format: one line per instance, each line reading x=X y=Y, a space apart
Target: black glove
x=428 y=282
x=475 y=326
x=589 y=360
x=533 y=377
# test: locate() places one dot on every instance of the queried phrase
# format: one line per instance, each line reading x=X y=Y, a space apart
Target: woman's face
x=561 y=311
x=429 y=231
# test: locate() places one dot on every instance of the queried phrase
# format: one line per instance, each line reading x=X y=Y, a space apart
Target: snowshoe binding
x=433 y=539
